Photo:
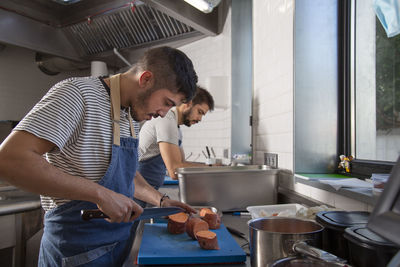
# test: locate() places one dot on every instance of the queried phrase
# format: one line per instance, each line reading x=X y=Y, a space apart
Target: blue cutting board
x=169 y=181
x=160 y=247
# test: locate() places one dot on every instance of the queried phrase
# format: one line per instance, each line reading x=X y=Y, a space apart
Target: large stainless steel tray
x=228 y=188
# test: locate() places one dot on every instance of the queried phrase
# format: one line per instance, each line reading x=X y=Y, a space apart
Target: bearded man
x=160 y=145
x=77 y=148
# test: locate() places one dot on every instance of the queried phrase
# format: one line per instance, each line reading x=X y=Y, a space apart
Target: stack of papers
x=347 y=182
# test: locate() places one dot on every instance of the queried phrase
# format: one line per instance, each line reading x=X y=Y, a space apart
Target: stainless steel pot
x=274 y=238
x=304 y=262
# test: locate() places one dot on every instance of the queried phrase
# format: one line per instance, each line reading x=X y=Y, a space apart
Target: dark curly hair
x=203 y=96
x=172 y=70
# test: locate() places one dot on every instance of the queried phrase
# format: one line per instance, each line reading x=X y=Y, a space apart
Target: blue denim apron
x=70 y=241
x=154 y=170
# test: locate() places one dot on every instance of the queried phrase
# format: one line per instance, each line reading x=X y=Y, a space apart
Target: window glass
x=376 y=88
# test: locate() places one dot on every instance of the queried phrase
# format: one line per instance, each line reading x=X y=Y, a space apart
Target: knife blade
x=147 y=213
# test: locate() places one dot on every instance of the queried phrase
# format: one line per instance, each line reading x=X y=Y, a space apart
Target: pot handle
x=305 y=249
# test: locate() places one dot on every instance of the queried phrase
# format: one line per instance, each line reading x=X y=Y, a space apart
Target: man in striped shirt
x=84 y=128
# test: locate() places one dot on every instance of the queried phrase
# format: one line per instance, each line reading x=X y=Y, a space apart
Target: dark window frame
x=359 y=167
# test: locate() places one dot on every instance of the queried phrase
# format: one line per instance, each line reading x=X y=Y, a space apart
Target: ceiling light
x=66 y=2
x=205 y=6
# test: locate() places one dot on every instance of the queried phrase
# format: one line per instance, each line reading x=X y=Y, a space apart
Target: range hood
x=89 y=30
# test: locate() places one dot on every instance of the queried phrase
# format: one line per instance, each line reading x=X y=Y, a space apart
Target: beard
x=140 y=105
x=186 y=118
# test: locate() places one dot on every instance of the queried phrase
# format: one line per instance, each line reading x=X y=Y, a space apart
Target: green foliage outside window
x=387 y=80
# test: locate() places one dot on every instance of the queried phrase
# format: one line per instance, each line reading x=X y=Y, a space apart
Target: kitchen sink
x=20 y=219
x=13 y=200
x=11 y=193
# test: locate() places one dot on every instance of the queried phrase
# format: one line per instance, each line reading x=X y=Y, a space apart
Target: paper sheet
x=348 y=182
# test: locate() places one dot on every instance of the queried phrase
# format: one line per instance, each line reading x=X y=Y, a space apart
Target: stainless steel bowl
x=304 y=262
x=273 y=238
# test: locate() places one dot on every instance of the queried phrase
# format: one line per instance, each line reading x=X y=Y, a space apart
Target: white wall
x=211 y=57
x=273 y=85
x=273 y=80
x=273 y=111
x=22 y=84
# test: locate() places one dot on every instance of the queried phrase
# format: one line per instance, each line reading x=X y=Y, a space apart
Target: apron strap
x=133 y=133
x=116 y=109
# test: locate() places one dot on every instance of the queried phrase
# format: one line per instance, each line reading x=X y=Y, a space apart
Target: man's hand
x=119 y=207
x=174 y=203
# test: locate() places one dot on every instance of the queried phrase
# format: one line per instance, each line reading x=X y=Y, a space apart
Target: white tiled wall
x=211 y=56
x=273 y=85
x=273 y=46
x=273 y=80
x=22 y=84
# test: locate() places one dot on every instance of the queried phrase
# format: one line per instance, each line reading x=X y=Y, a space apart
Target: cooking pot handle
x=305 y=249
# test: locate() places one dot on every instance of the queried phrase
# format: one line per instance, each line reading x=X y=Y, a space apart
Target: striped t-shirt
x=75 y=115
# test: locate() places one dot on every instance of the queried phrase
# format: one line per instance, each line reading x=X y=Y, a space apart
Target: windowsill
x=364 y=195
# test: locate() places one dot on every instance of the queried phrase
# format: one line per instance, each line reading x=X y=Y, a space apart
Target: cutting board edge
x=238 y=255
x=191 y=260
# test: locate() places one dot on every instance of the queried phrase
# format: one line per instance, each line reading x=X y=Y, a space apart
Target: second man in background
x=161 y=138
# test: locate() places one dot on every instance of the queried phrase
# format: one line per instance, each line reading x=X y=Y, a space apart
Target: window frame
x=347 y=117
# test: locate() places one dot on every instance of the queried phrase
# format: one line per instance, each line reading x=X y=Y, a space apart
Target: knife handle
x=208 y=152
x=236 y=232
x=87 y=215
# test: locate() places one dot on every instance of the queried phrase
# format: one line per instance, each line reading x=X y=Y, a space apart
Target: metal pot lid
x=342 y=219
x=362 y=235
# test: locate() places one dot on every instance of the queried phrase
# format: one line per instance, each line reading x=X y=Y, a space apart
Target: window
x=375 y=88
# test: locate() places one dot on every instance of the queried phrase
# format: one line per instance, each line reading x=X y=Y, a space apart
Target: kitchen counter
x=13 y=200
x=21 y=217
x=361 y=194
x=237 y=222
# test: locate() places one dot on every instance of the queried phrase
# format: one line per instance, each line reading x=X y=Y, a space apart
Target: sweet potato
x=195 y=224
x=207 y=239
x=203 y=211
x=177 y=223
x=212 y=218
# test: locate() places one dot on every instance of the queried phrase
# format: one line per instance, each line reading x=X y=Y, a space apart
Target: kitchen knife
x=212 y=151
x=147 y=213
x=208 y=152
x=236 y=232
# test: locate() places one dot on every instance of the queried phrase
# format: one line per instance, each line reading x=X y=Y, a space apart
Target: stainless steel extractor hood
x=90 y=29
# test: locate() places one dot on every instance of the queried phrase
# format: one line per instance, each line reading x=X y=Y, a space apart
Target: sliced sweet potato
x=177 y=223
x=212 y=218
x=204 y=211
x=195 y=224
x=207 y=239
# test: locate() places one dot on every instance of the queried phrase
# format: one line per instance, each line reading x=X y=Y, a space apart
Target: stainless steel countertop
x=237 y=222
x=13 y=200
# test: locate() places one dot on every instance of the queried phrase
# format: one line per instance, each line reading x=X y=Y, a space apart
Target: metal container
x=228 y=188
x=304 y=262
x=273 y=238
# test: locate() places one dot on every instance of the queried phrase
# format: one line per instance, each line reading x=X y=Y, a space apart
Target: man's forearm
x=22 y=165
x=145 y=192
x=31 y=172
